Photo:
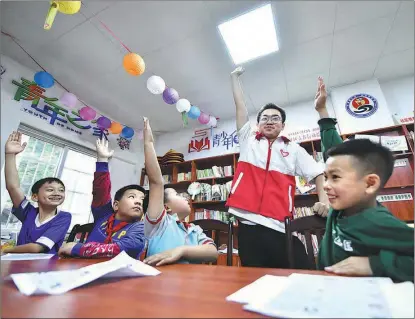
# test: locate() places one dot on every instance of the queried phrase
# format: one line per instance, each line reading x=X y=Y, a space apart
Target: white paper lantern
x=156 y=84
x=212 y=121
x=183 y=105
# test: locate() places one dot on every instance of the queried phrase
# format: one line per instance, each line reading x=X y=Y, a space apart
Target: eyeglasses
x=272 y=119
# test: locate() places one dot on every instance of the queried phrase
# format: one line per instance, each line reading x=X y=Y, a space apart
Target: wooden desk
x=179 y=291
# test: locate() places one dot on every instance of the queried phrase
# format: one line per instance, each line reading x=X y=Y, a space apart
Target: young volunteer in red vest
x=263 y=189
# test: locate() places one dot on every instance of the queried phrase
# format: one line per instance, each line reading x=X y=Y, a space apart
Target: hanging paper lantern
x=66 y=7
x=170 y=96
x=212 y=121
x=183 y=105
x=203 y=118
x=115 y=128
x=123 y=143
x=127 y=132
x=134 y=64
x=69 y=99
x=103 y=122
x=194 y=112
x=44 y=79
x=156 y=84
x=87 y=113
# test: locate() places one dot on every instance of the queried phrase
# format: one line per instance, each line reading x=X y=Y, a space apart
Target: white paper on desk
x=314 y=296
x=259 y=290
x=58 y=282
x=25 y=256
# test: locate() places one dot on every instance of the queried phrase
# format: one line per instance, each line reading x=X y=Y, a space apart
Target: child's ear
x=34 y=197
x=372 y=183
x=115 y=206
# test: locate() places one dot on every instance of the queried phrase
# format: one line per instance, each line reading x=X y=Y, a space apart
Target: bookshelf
x=401 y=181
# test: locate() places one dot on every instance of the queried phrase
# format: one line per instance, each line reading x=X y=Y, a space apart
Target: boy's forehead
x=270 y=112
x=52 y=184
x=341 y=162
x=134 y=192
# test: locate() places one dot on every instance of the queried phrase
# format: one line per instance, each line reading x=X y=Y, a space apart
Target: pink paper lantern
x=69 y=99
x=203 y=118
x=87 y=113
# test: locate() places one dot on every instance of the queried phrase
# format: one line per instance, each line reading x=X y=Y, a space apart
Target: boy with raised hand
x=170 y=239
x=362 y=237
x=43 y=228
x=118 y=226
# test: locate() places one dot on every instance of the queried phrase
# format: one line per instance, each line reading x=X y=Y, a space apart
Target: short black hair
x=47 y=180
x=371 y=157
x=120 y=193
x=274 y=107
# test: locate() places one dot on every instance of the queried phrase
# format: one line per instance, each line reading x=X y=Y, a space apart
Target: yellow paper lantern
x=66 y=7
x=115 y=128
x=134 y=64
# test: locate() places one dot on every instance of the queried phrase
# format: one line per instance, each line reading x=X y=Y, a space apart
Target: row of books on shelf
x=184 y=176
x=303 y=212
x=217 y=192
x=215 y=171
x=213 y=214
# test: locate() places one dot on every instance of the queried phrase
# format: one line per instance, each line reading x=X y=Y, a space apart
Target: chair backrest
x=84 y=230
x=307 y=226
x=214 y=227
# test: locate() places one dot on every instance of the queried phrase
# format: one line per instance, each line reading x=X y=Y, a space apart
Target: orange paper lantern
x=134 y=64
x=115 y=128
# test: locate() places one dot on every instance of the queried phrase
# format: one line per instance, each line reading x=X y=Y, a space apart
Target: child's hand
x=66 y=249
x=14 y=144
x=147 y=133
x=166 y=257
x=321 y=209
x=238 y=71
x=103 y=151
x=352 y=266
x=321 y=95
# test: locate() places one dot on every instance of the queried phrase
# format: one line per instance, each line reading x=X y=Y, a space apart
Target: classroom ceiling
x=344 y=41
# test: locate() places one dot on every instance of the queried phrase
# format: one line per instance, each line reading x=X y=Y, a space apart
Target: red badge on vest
x=283 y=153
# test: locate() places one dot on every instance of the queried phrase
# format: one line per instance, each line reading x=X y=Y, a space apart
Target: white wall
x=12 y=116
x=301 y=118
x=399 y=95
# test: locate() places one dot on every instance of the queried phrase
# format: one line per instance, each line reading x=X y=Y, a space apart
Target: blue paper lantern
x=127 y=132
x=44 y=79
x=194 y=112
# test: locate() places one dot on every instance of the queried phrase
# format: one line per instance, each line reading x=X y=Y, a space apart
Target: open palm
x=14 y=143
x=103 y=151
x=321 y=94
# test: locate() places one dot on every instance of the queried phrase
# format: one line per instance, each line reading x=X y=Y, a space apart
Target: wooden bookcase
x=401 y=181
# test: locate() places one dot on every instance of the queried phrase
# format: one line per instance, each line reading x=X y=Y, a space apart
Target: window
x=250 y=35
x=46 y=156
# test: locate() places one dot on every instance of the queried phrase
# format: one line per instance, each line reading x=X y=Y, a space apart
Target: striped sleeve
x=202 y=239
x=153 y=227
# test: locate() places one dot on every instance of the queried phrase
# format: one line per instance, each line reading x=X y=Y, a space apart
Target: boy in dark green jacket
x=362 y=237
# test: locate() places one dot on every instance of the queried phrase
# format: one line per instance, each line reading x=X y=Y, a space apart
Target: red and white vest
x=264 y=181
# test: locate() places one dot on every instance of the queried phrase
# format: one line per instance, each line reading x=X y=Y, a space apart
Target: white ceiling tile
x=92 y=8
x=352 y=73
x=13 y=51
x=300 y=21
x=264 y=82
x=304 y=88
x=307 y=58
x=351 y=13
x=147 y=26
x=395 y=65
x=85 y=50
x=222 y=11
x=359 y=43
x=401 y=36
x=24 y=20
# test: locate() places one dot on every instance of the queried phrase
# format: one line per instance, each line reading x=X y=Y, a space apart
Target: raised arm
x=328 y=132
x=13 y=147
x=101 y=189
x=155 y=178
x=241 y=110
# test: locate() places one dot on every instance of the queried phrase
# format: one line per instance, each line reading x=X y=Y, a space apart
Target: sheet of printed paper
x=58 y=282
x=314 y=296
